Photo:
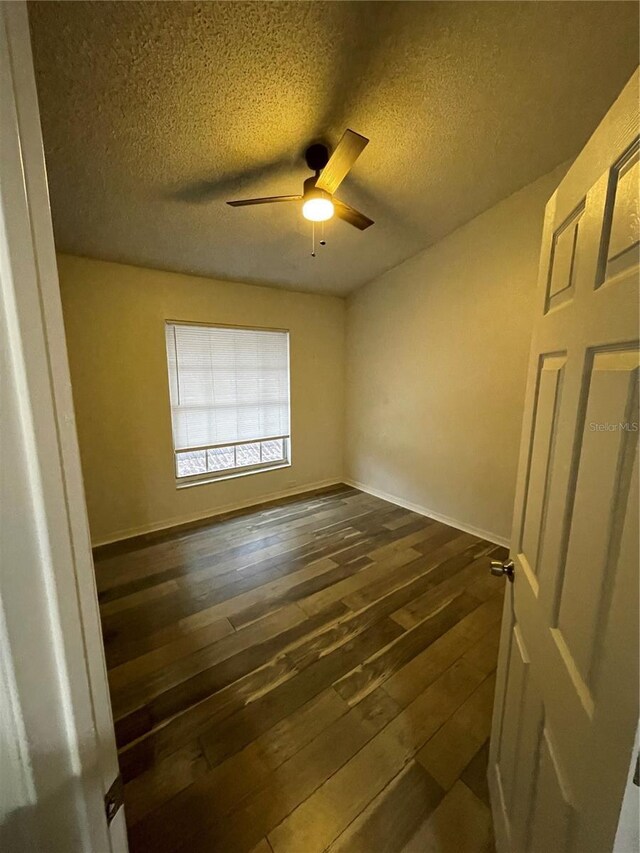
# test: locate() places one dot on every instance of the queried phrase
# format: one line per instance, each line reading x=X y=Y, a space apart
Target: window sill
x=207 y=479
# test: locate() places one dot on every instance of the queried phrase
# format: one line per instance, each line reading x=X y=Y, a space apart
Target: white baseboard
x=212 y=513
x=429 y=513
x=129 y=533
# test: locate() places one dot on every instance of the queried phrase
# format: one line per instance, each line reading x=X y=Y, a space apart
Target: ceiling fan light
x=318 y=209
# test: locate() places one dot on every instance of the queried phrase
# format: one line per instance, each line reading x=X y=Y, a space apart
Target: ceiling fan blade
x=347 y=152
x=351 y=215
x=245 y=201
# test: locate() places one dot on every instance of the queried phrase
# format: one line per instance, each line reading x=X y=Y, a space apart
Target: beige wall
x=114 y=316
x=437 y=351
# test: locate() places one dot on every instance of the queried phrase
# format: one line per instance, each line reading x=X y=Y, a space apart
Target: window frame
x=238 y=471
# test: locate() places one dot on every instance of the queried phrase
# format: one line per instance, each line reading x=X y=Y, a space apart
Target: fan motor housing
x=311 y=191
x=317 y=156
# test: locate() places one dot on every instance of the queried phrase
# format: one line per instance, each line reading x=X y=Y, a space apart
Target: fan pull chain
x=313 y=239
x=323 y=242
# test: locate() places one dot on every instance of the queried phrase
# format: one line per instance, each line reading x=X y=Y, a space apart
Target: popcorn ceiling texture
x=154 y=114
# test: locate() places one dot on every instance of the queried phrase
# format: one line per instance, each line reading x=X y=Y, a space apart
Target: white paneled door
x=567 y=694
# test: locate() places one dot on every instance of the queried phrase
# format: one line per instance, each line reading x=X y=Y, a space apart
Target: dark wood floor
x=315 y=675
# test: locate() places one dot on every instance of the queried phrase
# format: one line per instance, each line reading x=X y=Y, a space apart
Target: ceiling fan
x=318 y=201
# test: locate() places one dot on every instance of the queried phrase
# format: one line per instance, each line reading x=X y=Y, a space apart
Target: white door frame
x=57 y=745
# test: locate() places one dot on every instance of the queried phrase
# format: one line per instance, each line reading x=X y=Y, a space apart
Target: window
x=229 y=392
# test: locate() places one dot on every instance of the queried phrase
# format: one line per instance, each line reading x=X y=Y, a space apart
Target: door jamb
x=39 y=404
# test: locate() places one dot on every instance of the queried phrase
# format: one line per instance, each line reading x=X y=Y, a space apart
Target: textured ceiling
x=155 y=113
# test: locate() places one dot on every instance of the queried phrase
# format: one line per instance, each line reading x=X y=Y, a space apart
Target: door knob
x=502 y=569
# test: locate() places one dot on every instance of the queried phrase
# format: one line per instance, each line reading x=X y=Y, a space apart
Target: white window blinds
x=227 y=385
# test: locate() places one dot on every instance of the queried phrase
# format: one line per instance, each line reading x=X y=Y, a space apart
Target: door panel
x=544 y=433
x=621 y=245
x=552 y=811
x=562 y=269
x=517 y=684
x=567 y=689
x=604 y=462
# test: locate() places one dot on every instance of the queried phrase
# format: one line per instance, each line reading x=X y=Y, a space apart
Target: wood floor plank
x=282 y=679
x=448 y=752
x=402 y=522
x=447 y=544
x=232 y=717
x=486 y=585
x=462 y=570
x=230 y=783
x=233 y=732
x=138 y=597
x=245 y=708
x=420 y=531
x=484 y=654
x=285 y=557
x=194 y=650
x=374 y=671
x=287 y=787
x=460 y=824
x=377 y=569
x=217 y=546
x=290 y=783
x=411 y=679
x=164 y=781
x=474 y=774
x=140 y=647
x=298 y=591
x=317 y=822
x=188 y=682
x=262 y=846
x=122 y=628
x=425 y=575
x=390 y=820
